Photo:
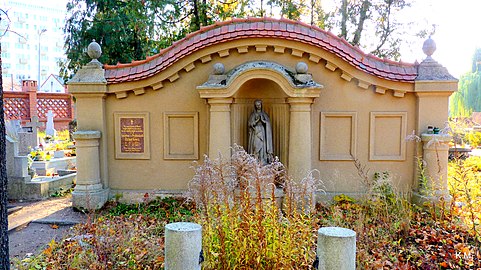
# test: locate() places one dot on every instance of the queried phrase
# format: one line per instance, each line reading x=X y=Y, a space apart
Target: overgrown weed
x=245 y=226
x=465 y=188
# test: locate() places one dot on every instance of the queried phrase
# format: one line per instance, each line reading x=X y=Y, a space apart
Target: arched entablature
x=293 y=84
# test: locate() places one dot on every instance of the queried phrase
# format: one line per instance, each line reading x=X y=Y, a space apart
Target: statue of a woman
x=260 y=134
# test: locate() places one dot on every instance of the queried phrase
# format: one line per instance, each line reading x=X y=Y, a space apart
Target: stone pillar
x=435 y=158
x=336 y=248
x=183 y=246
x=433 y=86
x=88 y=192
x=300 y=139
x=219 y=131
x=89 y=87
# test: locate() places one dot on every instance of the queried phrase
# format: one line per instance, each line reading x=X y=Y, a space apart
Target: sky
x=458 y=32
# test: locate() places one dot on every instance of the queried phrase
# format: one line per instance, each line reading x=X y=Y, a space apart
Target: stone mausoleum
x=142 y=124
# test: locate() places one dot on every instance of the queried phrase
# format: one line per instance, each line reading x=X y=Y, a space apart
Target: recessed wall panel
x=181 y=135
x=387 y=133
x=338 y=135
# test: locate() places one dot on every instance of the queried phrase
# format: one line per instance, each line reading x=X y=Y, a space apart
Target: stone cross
x=33 y=125
x=50 y=130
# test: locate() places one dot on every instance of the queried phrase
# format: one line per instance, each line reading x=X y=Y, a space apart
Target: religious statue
x=260 y=134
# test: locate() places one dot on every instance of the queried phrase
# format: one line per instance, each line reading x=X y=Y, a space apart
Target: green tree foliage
x=124 y=28
x=468 y=97
x=131 y=29
x=289 y=9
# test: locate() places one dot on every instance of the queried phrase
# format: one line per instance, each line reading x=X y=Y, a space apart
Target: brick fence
x=28 y=103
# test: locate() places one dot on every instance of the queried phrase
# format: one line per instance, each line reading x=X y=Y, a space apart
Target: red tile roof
x=235 y=29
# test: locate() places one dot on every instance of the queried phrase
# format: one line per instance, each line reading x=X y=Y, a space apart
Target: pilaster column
x=219 y=130
x=88 y=192
x=300 y=140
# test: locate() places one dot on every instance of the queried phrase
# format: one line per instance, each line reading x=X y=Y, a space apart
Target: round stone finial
x=429 y=47
x=301 y=68
x=94 y=50
x=219 y=69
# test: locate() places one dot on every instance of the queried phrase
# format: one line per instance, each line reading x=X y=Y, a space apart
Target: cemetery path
x=37 y=223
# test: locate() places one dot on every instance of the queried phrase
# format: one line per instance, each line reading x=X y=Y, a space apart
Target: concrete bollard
x=183 y=246
x=336 y=248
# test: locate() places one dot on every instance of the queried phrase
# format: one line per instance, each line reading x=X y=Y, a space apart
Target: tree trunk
x=4 y=260
x=363 y=14
x=344 y=19
x=196 y=15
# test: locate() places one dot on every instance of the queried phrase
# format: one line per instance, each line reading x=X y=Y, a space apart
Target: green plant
x=244 y=226
x=423 y=180
x=61 y=192
x=473 y=138
x=465 y=187
x=343 y=199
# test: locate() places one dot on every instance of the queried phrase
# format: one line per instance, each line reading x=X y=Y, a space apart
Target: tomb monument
x=142 y=124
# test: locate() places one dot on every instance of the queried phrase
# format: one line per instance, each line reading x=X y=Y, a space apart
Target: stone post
x=433 y=86
x=336 y=248
x=300 y=141
x=219 y=136
x=88 y=192
x=435 y=159
x=183 y=246
x=89 y=87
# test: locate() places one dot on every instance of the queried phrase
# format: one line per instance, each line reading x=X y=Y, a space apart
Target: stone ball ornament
x=429 y=47
x=301 y=68
x=219 y=69
x=94 y=50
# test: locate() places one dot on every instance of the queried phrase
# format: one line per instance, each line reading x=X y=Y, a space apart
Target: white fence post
x=336 y=248
x=183 y=246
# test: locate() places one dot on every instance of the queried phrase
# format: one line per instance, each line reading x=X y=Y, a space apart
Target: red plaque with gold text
x=132 y=135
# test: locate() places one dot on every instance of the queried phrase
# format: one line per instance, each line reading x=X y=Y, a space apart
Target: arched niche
x=274 y=103
x=288 y=96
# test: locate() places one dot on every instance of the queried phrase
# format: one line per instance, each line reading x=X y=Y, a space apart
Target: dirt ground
x=37 y=223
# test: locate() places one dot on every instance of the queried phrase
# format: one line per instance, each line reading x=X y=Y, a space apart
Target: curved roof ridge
x=254 y=27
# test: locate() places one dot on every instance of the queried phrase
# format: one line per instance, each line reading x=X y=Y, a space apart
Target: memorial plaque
x=132 y=136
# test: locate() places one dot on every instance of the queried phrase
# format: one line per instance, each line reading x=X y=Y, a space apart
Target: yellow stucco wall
x=338 y=95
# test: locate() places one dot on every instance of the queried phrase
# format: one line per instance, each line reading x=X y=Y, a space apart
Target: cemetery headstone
x=50 y=129
x=28 y=138
x=11 y=151
x=33 y=126
x=12 y=128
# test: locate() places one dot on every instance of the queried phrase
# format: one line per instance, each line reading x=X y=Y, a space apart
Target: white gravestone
x=26 y=142
x=33 y=126
x=50 y=130
x=28 y=138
